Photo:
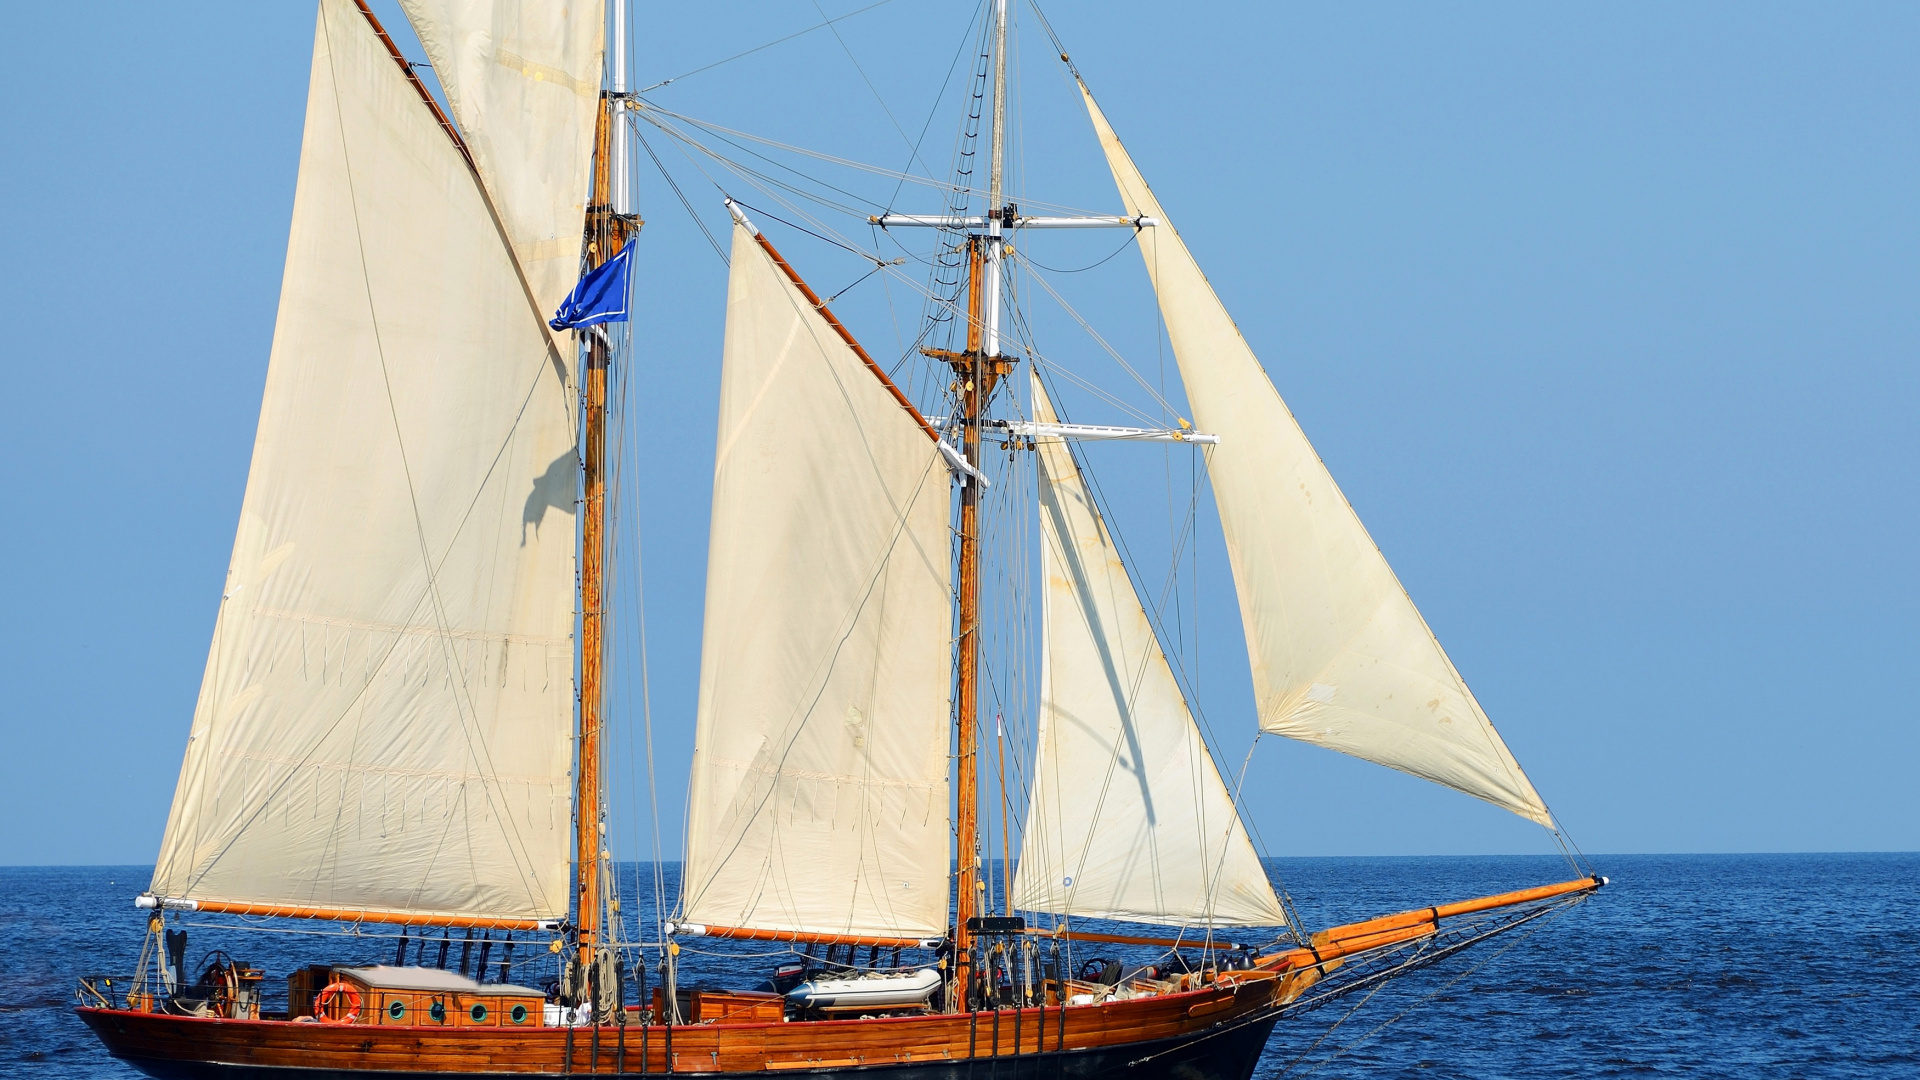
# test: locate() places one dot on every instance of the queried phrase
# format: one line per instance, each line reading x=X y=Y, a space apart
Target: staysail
x=819 y=791
x=1341 y=657
x=523 y=79
x=1128 y=818
x=384 y=722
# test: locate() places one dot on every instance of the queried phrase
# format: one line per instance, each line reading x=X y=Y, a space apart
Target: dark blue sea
x=1699 y=966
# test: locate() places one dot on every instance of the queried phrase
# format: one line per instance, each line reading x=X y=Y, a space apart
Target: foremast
x=610 y=223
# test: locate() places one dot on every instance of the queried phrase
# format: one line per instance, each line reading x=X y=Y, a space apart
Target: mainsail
x=384 y=721
x=1128 y=818
x=523 y=79
x=1341 y=657
x=819 y=788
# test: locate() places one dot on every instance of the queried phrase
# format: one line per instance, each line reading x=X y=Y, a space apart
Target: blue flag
x=601 y=296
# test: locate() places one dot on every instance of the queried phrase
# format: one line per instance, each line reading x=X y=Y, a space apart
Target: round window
x=438 y=1012
x=519 y=1014
x=397 y=1010
x=479 y=1014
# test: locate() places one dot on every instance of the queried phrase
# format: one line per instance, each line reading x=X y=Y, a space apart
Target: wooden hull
x=1215 y=1033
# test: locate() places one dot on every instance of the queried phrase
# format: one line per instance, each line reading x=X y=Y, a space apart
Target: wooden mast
x=978 y=369
x=606 y=233
x=967 y=824
x=976 y=375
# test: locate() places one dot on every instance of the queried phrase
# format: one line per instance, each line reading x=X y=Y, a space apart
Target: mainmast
x=978 y=369
x=610 y=223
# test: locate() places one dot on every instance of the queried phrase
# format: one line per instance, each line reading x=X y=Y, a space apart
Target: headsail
x=1341 y=657
x=384 y=721
x=1128 y=818
x=819 y=787
x=523 y=78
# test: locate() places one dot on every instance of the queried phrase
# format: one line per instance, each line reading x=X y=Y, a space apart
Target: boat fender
x=335 y=991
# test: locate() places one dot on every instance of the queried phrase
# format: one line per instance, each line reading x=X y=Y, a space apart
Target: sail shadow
x=557 y=488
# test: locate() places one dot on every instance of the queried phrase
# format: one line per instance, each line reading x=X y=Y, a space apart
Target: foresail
x=384 y=721
x=1341 y=657
x=523 y=79
x=819 y=789
x=1128 y=817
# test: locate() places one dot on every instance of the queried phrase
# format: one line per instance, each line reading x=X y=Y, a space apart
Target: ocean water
x=1697 y=966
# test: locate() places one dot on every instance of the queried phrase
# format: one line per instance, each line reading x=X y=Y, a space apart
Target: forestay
x=384 y=721
x=819 y=794
x=1341 y=658
x=1128 y=818
x=523 y=80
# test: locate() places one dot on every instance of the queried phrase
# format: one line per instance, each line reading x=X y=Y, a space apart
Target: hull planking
x=1215 y=1033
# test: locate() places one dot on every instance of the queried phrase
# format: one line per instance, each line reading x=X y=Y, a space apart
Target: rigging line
x=1091 y=332
x=660 y=165
x=768 y=45
x=646 y=692
x=934 y=110
x=757 y=178
x=1054 y=366
x=1550 y=914
x=1226 y=841
x=1058 y=47
x=781 y=165
x=750 y=176
x=949 y=305
x=1132 y=238
x=864 y=77
x=893 y=310
x=859 y=166
x=878 y=262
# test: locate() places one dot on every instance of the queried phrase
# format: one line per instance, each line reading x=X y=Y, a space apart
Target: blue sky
x=1603 y=316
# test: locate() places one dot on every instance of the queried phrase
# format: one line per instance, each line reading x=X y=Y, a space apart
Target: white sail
x=1341 y=657
x=385 y=716
x=523 y=79
x=1128 y=817
x=819 y=792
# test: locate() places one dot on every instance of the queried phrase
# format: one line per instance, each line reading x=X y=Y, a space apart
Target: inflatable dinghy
x=877 y=989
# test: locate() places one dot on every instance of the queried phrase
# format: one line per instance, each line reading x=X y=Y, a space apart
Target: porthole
x=479 y=1014
x=438 y=1012
x=518 y=1014
x=397 y=1010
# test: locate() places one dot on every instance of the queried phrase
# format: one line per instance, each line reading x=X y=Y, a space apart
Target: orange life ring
x=324 y=1004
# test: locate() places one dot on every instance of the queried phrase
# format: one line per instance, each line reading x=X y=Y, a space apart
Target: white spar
x=1032 y=430
x=942 y=221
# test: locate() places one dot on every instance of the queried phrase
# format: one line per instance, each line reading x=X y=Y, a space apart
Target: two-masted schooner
x=400 y=724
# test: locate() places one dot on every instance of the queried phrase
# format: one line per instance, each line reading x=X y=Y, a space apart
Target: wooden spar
x=746 y=933
x=419 y=87
x=1462 y=907
x=1351 y=938
x=607 y=233
x=973 y=391
x=348 y=915
x=820 y=306
x=1128 y=939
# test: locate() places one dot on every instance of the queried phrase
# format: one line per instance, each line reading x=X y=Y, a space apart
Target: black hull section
x=1226 y=1053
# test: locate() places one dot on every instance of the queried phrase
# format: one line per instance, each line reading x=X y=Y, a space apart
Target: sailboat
x=400 y=726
